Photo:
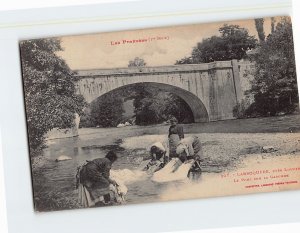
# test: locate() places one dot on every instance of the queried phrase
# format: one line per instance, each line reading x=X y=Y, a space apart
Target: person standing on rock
x=94 y=180
x=175 y=135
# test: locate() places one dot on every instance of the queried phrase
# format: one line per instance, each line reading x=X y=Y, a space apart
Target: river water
x=54 y=182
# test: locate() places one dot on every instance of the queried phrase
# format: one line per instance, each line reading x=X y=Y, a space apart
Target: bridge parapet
x=157 y=70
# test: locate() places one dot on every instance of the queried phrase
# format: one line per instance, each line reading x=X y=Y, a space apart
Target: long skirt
x=84 y=197
x=90 y=198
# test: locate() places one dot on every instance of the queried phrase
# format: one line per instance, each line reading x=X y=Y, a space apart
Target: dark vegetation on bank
x=49 y=90
x=274 y=86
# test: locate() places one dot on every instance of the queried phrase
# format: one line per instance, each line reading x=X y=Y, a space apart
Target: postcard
x=162 y=114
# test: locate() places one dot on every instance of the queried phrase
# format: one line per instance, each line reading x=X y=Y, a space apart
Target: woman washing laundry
x=159 y=156
x=160 y=151
x=191 y=148
x=94 y=182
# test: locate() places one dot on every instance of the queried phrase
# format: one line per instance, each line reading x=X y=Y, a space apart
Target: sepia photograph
x=162 y=114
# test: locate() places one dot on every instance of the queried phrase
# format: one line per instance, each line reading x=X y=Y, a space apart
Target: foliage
x=185 y=60
x=178 y=108
x=49 y=90
x=233 y=43
x=273 y=22
x=259 y=24
x=275 y=84
x=107 y=110
x=137 y=62
x=240 y=110
x=86 y=119
x=154 y=106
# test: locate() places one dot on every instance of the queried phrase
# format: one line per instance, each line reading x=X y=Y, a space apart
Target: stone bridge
x=211 y=89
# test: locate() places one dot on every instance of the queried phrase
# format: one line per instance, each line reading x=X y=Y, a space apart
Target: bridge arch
x=212 y=90
x=200 y=113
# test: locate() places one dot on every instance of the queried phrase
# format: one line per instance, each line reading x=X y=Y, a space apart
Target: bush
x=274 y=86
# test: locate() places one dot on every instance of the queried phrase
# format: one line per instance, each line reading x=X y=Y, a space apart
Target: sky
x=102 y=51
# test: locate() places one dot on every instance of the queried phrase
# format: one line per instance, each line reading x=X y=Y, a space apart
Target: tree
x=153 y=106
x=137 y=62
x=107 y=110
x=185 y=60
x=273 y=22
x=233 y=43
x=49 y=90
x=274 y=86
x=259 y=24
x=195 y=58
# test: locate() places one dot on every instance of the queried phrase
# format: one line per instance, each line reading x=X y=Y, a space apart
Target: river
x=54 y=182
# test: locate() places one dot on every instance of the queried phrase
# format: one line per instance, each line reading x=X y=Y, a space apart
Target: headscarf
x=159 y=145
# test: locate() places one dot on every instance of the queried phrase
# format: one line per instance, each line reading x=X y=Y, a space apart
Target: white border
x=185 y=215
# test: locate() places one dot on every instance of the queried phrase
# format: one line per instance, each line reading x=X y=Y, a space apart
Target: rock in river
x=268 y=149
x=63 y=158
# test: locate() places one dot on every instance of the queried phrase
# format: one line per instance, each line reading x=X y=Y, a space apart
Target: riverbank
x=278 y=124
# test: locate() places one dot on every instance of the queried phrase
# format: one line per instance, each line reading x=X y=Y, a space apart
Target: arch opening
x=191 y=108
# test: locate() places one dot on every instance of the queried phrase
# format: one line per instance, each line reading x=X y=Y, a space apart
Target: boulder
x=63 y=158
x=120 y=125
x=127 y=123
x=268 y=149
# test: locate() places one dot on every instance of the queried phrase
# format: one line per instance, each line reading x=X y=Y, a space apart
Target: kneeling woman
x=189 y=148
x=159 y=156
